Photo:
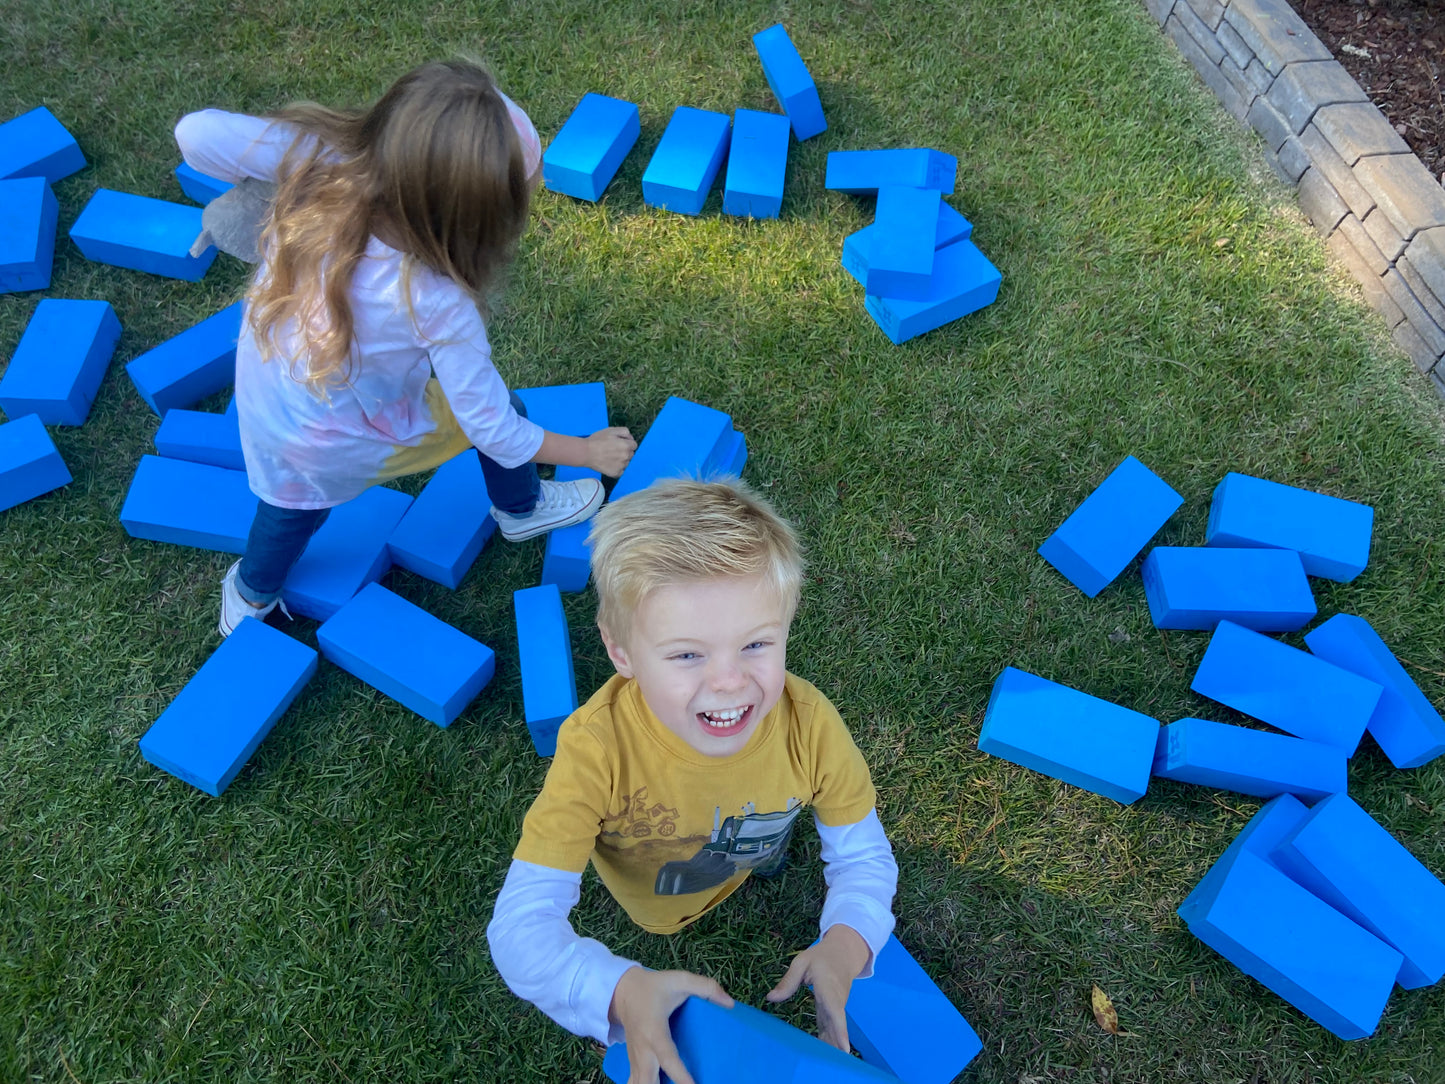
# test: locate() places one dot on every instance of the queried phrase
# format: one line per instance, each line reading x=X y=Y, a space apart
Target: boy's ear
x=616 y=651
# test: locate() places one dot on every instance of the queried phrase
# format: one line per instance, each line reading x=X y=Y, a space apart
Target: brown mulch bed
x=1395 y=49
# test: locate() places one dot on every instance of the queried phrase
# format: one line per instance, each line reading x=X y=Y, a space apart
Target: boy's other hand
x=642 y=1003
x=609 y=450
x=829 y=967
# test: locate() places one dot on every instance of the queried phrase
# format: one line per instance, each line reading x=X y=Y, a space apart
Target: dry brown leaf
x=1104 y=1013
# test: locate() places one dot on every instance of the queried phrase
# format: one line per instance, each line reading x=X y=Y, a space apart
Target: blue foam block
x=862 y=173
x=189 y=504
x=757 y=165
x=28 y=213
x=963 y=282
x=952 y=227
x=1108 y=530
x=1264 y=832
x=899 y=1021
x=744 y=1045
x=1341 y=854
x=544 y=649
x=1331 y=535
x=1285 y=687
x=186 y=368
x=1323 y=964
x=29 y=462
x=35 y=144
x=447 y=525
x=1069 y=735
x=1248 y=761
x=347 y=553
x=789 y=81
x=142 y=234
x=900 y=263
x=414 y=658
x=682 y=169
x=585 y=155
x=201 y=187
x=1405 y=724
x=216 y=722
x=201 y=438
x=575 y=410
x=686 y=439
x=60 y=362
x=1196 y=587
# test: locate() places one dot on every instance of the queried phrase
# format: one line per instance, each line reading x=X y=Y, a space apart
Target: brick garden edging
x=1381 y=212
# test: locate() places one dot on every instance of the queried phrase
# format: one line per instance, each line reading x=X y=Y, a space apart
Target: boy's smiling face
x=709 y=657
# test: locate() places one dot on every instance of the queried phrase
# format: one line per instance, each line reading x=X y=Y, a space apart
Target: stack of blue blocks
x=757 y=165
x=447 y=525
x=790 y=82
x=685 y=440
x=1405 y=724
x=952 y=227
x=681 y=172
x=900 y=256
x=189 y=504
x=585 y=154
x=29 y=462
x=186 y=368
x=901 y=1022
x=201 y=437
x=574 y=410
x=1108 y=530
x=1285 y=687
x=348 y=552
x=1249 y=761
x=1069 y=735
x=28 y=213
x=1331 y=535
x=411 y=656
x=142 y=234
x=744 y=1045
x=60 y=362
x=1196 y=587
x=35 y=144
x=544 y=650
x=217 y=721
x=201 y=187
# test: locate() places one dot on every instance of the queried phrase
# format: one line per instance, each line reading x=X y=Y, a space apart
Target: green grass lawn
x=1162 y=296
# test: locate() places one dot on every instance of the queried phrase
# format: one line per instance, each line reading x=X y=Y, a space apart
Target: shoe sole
x=582 y=514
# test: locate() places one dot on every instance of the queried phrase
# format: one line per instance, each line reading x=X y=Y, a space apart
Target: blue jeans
x=279 y=535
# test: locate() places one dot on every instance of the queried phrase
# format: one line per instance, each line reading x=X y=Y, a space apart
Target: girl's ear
x=616 y=651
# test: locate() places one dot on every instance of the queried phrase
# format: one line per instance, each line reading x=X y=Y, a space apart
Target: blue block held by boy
x=189 y=504
x=681 y=172
x=30 y=464
x=544 y=650
x=863 y=173
x=586 y=153
x=757 y=165
x=142 y=234
x=28 y=214
x=1100 y=537
x=952 y=227
x=900 y=261
x=1249 y=761
x=35 y=144
x=1069 y=735
x=447 y=525
x=1285 y=687
x=224 y=712
x=186 y=368
x=964 y=281
x=60 y=362
x=790 y=82
x=1331 y=535
x=1196 y=587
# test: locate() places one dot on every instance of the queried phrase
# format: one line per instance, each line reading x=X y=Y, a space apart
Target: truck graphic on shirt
x=737 y=843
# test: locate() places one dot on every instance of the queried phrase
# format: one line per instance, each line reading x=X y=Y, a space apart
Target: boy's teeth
x=724 y=718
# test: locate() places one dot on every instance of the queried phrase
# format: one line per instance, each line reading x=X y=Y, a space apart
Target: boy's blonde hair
x=435 y=168
x=680 y=530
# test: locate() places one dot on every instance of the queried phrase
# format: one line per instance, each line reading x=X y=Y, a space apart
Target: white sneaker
x=235 y=609
x=560 y=504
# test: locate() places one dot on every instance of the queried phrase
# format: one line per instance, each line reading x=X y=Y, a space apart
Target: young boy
x=686 y=772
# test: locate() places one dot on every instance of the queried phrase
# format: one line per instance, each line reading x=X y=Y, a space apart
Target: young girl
x=363 y=354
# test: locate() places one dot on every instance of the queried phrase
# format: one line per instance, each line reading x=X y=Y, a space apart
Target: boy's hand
x=642 y=1003
x=829 y=967
x=610 y=450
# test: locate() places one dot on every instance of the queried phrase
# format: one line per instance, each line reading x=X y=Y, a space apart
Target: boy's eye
x=759 y=644
x=684 y=656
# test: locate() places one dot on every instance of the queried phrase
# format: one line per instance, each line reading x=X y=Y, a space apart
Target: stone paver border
x=1381 y=212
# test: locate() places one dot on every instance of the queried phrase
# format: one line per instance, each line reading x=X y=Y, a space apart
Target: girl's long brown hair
x=434 y=168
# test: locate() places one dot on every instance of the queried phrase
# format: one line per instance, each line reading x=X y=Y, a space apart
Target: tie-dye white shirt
x=304 y=451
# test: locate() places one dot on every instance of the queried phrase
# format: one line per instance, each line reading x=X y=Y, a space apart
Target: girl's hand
x=829 y=967
x=610 y=450
x=642 y=1003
